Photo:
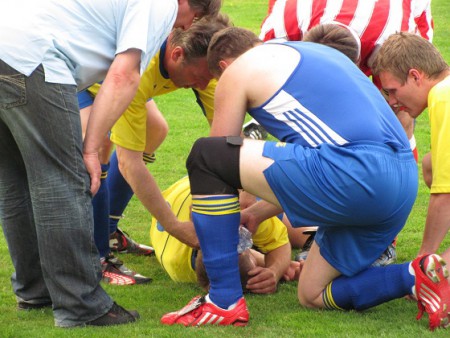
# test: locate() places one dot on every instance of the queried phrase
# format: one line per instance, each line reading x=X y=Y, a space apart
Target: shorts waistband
x=378 y=146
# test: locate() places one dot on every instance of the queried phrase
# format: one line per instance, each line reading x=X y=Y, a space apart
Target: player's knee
x=122 y=164
x=159 y=134
x=196 y=154
x=197 y=163
x=213 y=166
x=309 y=299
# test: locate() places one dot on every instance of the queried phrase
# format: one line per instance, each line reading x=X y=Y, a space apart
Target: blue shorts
x=85 y=99
x=359 y=196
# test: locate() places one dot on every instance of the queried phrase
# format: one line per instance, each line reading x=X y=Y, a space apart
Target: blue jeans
x=45 y=202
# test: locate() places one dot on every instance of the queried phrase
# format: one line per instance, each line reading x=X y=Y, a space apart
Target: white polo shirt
x=77 y=40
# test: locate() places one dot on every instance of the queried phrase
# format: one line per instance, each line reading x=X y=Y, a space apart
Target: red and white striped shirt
x=372 y=20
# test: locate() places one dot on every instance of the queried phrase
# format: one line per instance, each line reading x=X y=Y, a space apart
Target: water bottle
x=245 y=240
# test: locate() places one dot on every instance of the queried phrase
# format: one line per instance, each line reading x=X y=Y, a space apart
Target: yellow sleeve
x=271 y=234
x=439 y=111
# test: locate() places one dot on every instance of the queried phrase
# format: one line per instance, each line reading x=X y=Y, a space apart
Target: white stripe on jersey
x=422 y=8
x=394 y=23
x=272 y=22
x=362 y=16
x=332 y=9
x=304 y=14
x=285 y=108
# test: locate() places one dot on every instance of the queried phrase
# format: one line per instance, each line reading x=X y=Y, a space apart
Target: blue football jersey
x=324 y=92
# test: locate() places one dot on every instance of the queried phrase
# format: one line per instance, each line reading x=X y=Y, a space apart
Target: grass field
x=277 y=315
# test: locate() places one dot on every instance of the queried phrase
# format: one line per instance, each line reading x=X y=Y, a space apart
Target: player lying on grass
x=260 y=270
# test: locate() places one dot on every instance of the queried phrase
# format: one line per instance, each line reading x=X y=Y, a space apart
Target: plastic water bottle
x=245 y=240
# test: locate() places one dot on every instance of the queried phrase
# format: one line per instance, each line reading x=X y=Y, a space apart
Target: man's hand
x=293 y=271
x=252 y=216
x=262 y=280
x=249 y=221
x=92 y=164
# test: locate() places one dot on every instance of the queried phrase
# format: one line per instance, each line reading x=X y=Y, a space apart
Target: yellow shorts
x=129 y=131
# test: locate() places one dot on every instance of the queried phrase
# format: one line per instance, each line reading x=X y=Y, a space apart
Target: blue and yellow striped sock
x=369 y=288
x=120 y=191
x=216 y=221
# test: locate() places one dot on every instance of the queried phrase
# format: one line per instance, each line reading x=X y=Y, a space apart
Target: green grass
x=277 y=315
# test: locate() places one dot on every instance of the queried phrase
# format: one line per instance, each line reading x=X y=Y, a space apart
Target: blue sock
x=216 y=221
x=120 y=193
x=100 y=204
x=369 y=288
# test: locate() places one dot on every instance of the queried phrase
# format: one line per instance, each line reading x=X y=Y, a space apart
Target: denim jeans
x=45 y=202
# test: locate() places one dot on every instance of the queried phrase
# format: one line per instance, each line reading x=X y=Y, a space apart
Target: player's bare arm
x=116 y=93
x=437 y=223
x=229 y=106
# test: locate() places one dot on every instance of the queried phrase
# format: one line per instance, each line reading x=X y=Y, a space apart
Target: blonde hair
x=404 y=51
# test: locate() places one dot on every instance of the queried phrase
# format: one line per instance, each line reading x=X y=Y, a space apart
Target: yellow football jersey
x=439 y=111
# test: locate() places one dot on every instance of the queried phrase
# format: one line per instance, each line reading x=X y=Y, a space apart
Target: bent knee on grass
x=310 y=300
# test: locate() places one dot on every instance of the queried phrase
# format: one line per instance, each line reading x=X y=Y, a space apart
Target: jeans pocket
x=12 y=91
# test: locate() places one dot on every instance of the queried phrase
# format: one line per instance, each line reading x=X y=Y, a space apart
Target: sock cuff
x=328 y=300
x=216 y=205
x=148 y=158
x=105 y=168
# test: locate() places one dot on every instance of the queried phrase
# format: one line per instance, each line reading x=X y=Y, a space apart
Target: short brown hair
x=195 y=40
x=229 y=43
x=404 y=51
x=337 y=37
x=206 y=7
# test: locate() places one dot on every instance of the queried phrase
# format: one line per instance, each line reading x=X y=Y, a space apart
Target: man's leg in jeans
x=49 y=140
x=17 y=214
